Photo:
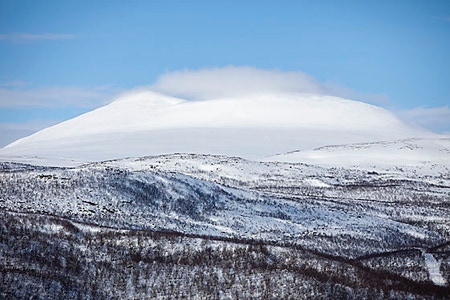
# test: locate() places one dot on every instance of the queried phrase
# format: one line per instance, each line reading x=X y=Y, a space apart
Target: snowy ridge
x=428 y=156
x=221 y=196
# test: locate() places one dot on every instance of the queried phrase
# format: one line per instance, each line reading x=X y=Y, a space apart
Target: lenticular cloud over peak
x=234 y=81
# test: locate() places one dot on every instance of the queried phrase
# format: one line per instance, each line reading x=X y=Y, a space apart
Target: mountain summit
x=252 y=126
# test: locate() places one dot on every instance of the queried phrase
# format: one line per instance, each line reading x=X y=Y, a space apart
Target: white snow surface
x=252 y=127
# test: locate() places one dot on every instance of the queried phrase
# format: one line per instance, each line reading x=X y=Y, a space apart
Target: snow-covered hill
x=391 y=228
x=254 y=127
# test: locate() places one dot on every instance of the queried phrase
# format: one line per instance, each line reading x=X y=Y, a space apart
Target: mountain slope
x=253 y=127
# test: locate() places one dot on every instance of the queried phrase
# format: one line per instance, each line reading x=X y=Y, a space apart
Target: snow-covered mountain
x=254 y=127
x=336 y=199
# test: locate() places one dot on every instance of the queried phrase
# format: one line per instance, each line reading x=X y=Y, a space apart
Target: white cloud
x=13 y=95
x=434 y=118
x=21 y=95
x=335 y=89
x=232 y=81
x=13 y=84
x=229 y=81
x=34 y=125
x=10 y=132
x=23 y=36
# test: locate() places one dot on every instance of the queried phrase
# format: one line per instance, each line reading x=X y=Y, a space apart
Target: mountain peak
x=251 y=126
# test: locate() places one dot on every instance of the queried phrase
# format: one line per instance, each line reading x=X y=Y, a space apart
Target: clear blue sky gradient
x=397 y=48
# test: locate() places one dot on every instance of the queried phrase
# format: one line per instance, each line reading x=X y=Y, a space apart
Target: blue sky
x=59 y=59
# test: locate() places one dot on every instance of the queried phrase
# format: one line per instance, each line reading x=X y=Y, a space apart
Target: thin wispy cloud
x=335 y=89
x=18 y=95
x=15 y=96
x=33 y=125
x=29 y=37
x=235 y=81
x=13 y=84
x=434 y=118
x=13 y=130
